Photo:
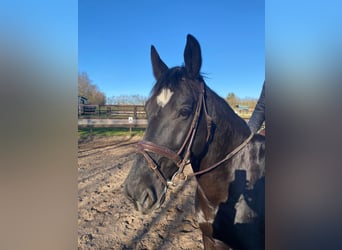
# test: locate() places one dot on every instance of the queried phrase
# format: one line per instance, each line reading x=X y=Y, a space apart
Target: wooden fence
x=112 y=116
x=111 y=111
x=118 y=115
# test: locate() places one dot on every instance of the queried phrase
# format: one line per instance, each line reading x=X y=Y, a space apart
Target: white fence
x=141 y=123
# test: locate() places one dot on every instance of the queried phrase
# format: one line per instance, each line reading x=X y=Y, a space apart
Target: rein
x=144 y=147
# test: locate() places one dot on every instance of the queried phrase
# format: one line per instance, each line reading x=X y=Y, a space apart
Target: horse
x=189 y=124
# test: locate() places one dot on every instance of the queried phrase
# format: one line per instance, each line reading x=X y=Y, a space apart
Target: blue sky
x=114 y=40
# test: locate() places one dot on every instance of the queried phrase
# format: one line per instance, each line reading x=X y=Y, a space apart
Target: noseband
x=144 y=147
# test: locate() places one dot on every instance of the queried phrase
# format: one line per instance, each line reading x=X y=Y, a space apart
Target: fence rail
x=111 y=111
x=115 y=123
x=118 y=115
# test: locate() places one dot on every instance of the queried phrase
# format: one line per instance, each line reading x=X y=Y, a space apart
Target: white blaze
x=164 y=97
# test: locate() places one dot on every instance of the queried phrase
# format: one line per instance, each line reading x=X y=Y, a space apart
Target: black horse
x=189 y=123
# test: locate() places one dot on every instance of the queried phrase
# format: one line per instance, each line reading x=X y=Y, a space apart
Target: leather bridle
x=144 y=147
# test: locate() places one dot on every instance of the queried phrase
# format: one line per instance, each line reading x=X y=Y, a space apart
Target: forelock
x=171 y=80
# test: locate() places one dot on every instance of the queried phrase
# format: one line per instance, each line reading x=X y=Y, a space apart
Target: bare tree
x=232 y=99
x=127 y=99
x=89 y=90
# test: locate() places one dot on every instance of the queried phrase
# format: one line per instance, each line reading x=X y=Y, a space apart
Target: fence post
x=135 y=115
x=109 y=111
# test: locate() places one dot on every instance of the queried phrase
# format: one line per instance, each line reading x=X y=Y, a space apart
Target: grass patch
x=108 y=132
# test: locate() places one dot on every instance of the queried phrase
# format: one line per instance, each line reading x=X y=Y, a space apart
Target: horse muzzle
x=147 y=200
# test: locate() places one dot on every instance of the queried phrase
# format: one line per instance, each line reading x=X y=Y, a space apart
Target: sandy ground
x=107 y=220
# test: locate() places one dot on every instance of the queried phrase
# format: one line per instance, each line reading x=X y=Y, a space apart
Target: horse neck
x=230 y=129
x=228 y=133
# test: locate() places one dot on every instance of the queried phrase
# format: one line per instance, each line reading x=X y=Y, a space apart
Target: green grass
x=107 y=132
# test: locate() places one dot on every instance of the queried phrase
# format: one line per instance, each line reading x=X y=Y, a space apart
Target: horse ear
x=159 y=67
x=192 y=56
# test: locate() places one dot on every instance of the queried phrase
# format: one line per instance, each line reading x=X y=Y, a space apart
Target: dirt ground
x=107 y=220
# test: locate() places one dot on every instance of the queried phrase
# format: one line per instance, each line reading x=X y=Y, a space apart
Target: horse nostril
x=147 y=199
x=144 y=199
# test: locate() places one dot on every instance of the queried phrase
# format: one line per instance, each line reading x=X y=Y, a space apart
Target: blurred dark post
x=135 y=113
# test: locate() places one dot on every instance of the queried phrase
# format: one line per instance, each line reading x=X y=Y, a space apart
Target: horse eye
x=185 y=112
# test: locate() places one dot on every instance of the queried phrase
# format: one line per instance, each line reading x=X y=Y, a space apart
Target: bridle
x=144 y=147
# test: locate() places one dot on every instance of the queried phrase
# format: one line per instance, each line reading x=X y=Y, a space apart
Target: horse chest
x=239 y=213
